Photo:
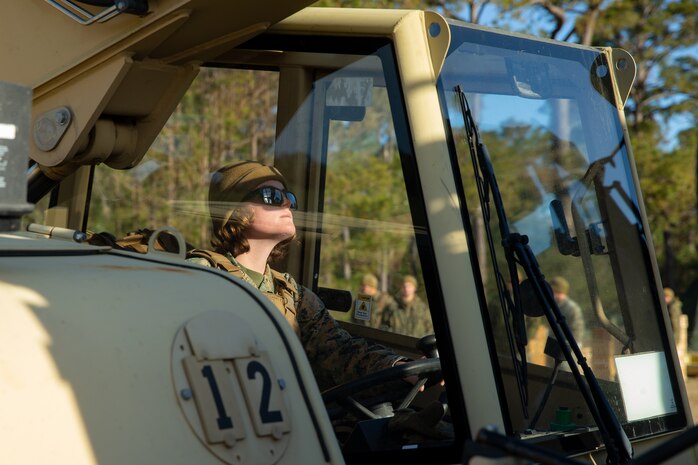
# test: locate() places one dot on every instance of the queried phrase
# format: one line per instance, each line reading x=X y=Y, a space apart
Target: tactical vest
x=285 y=296
x=137 y=241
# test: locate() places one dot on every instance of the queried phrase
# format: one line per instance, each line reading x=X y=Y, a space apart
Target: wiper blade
x=514 y=321
x=517 y=250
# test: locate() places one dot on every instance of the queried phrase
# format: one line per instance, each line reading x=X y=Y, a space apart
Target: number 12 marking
x=224 y=421
x=253 y=368
x=267 y=416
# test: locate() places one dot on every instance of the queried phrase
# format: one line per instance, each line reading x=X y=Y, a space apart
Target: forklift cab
x=480 y=163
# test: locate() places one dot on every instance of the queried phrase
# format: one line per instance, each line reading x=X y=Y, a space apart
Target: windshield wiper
x=517 y=251
x=514 y=321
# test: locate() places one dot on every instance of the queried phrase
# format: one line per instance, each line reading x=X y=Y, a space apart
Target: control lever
x=427 y=346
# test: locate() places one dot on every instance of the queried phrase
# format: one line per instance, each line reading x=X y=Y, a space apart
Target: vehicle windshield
x=546 y=113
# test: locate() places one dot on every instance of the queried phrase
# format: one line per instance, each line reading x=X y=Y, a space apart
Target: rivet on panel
x=253 y=350
x=282 y=383
x=229 y=440
x=62 y=117
x=277 y=433
x=186 y=394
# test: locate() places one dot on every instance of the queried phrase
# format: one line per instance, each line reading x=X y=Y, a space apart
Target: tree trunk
x=385 y=269
x=346 y=265
x=669 y=274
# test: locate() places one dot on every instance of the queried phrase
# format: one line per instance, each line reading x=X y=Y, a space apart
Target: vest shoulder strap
x=282 y=285
x=217 y=260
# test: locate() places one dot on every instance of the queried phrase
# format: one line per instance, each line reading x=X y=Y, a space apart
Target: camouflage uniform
x=575 y=319
x=569 y=308
x=411 y=318
x=335 y=355
x=382 y=300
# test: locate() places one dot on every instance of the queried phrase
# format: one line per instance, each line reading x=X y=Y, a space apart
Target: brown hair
x=230 y=237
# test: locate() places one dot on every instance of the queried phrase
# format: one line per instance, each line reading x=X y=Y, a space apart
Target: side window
x=225 y=116
x=368 y=243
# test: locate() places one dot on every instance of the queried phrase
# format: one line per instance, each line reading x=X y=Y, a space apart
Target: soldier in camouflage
x=408 y=314
x=569 y=308
x=252 y=217
x=674 y=306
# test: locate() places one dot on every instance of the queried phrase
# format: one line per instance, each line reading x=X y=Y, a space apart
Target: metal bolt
x=282 y=383
x=186 y=394
x=62 y=117
x=229 y=440
x=79 y=236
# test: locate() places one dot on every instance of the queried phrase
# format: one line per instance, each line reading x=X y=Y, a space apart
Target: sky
x=492 y=17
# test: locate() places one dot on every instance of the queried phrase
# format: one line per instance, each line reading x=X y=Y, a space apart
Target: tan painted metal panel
x=30 y=58
x=85 y=364
x=413 y=51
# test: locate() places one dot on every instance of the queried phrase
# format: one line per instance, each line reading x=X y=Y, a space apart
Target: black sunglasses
x=269 y=195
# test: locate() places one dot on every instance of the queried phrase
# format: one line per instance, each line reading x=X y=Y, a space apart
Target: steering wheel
x=343 y=394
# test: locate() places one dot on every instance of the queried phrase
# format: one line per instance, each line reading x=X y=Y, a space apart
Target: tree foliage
x=661 y=36
x=226 y=116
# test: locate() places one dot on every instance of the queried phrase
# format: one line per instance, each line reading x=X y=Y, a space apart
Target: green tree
x=657 y=33
x=668 y=185
x=465 y=10
x=224 y=116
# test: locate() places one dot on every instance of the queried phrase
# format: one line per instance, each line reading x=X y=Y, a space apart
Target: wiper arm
x=517 y=250
x=514 y=321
